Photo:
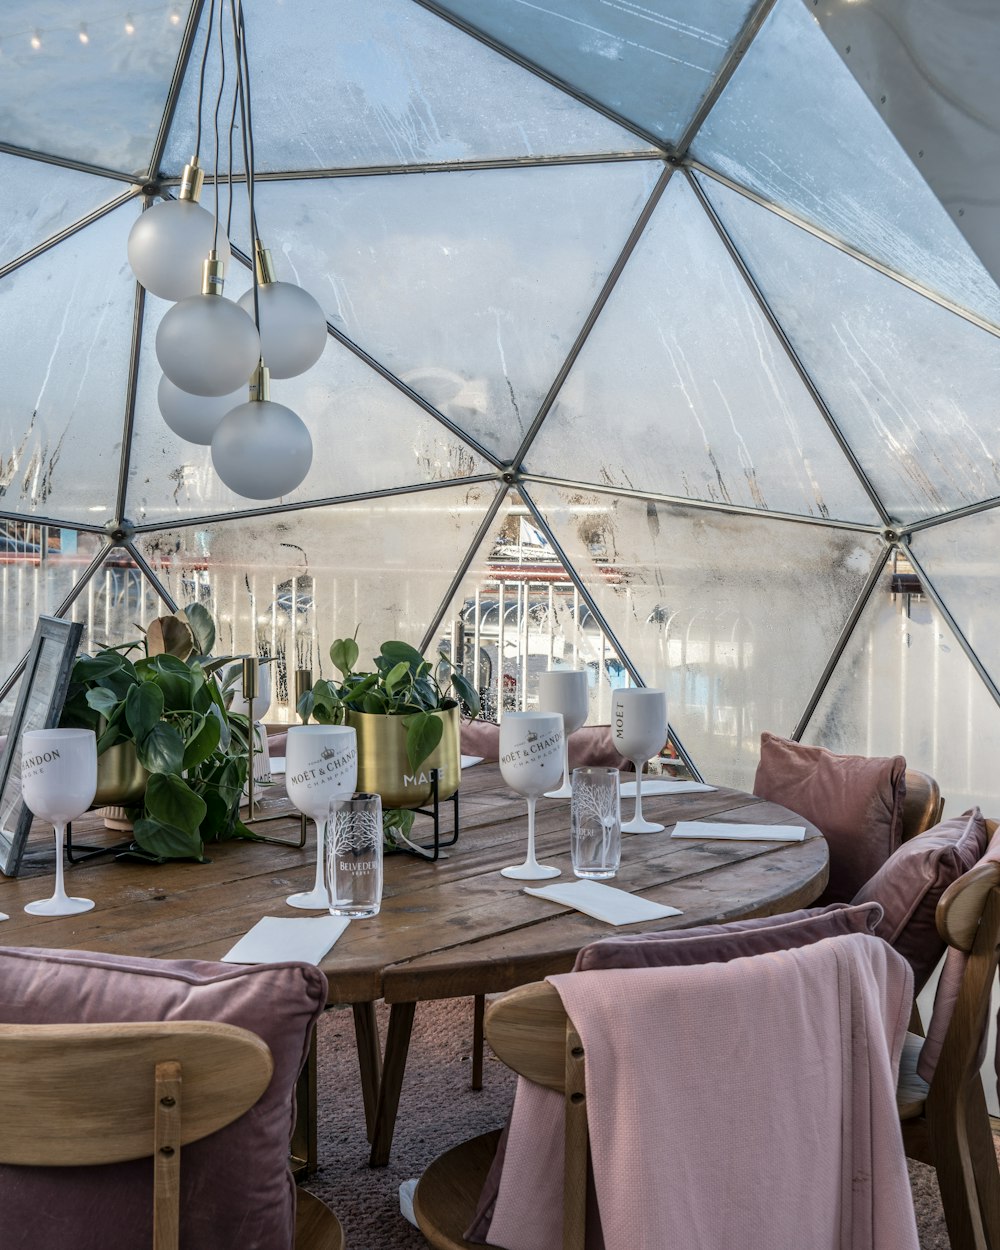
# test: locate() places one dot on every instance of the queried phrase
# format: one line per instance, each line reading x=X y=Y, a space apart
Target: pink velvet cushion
x=237 y=1192
x=910 y=882
x=949 y=985
x=590 y=745
x=855 y=800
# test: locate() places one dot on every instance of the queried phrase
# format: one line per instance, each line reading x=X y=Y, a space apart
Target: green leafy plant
x=171 y=705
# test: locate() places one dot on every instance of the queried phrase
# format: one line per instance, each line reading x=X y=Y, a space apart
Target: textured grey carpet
x=438 y=1109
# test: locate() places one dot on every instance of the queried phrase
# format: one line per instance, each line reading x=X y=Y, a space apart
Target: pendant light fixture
x=261 y=449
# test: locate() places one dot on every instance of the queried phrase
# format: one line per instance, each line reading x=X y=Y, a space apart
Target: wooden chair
x=923 y=806
x=78 y=1094
x=946 y=1124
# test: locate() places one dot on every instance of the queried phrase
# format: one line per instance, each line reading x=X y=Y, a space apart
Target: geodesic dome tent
x=647 y=339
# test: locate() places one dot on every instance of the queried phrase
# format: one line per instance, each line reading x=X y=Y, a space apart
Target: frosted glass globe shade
x=194 y=417
x=262 y=450
x=168 y=244
x=292 y=327
x=207 y=345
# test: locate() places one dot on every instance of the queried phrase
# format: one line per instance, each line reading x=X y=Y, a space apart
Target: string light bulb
x=82 y=34
x=36 y=40
x=175 y=18
x=129 y=25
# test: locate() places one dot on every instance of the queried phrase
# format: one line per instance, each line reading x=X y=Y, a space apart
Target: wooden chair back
x=531 y=1033
x=81 y=1094
x=923 y=805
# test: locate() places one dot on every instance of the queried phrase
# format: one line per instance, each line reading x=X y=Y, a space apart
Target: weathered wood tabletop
x=447 y=929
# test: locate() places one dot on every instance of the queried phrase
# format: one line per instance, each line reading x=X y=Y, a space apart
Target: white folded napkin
x=744 y=833
x=4 y=916
x=406 y=1192
x=603 y=902
x=273 y=939
x=469 y=760
x=277 y=764
x=664 y=785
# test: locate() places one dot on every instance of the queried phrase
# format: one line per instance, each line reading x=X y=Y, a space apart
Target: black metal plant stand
x=430 y=851
x=90 y=852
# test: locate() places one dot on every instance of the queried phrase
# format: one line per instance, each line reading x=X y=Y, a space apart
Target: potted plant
x=407 y=722
x=168 y=710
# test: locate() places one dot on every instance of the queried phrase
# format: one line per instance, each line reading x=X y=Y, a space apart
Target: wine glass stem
x=638 y=788
x=565 y=780
x=320 y=883
x=60 y=890
x=531 y=829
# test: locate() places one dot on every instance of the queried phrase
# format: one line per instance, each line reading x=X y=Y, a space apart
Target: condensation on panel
x=469 y=286
x=735 y=616
x=38 y=200
x=960 y=560
x=651 y=63
x=399 y=87
x=97 y=99
x=905 y=686
x=794 y=125
x=366 y=435
x=65 y=335
x=518 y=613
x=288 y=584
x=911 y=385
x=682 y=388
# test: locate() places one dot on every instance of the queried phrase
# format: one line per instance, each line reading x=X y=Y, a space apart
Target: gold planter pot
x=384 y=769
x=121 y=779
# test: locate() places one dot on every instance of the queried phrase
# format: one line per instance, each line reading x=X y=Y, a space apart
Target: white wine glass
x=530 y=762
x=639 y=730
x=58 y=783
x=321 y=764
x=564 y=690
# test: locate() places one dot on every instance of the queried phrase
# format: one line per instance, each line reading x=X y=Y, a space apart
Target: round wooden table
x=447 y=929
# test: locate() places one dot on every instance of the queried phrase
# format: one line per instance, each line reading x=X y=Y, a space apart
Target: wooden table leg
x=397 y=1043
x=369 y=1060
x=303 y=1145
x=478 y=1017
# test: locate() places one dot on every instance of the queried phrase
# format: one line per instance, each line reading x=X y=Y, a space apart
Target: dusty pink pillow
x=590 y=745
x=949 y=985
x=910 y=882
x=237 y=1192
x=855 y=800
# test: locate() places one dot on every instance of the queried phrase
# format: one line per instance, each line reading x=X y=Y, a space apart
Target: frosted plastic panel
x=519 y=602
x=795 y=126
x=469 y=286
x=651 y=63
x=399 y=86
x=65 y=333
x=682 y=388
x=735 y=616
x=904 y=686
x=99 y=101
x=289 y=584
x=912 y=386
x=367 y=435
x=38 y=200
x=960 y=558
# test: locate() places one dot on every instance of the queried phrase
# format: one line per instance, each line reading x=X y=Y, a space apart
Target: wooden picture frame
x=44 y=684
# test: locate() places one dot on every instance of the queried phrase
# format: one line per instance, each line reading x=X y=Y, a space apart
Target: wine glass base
x=642 y=826
x=564 y=792
x=529 y=871
x=310 y=900
x=59 y=906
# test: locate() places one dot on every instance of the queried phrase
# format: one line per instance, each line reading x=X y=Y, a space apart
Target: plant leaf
x=467 y=693
x=171 y=801
x=102 y=701
x=402 y=652
x=344 y=653
x=305 y=705
x=166 y=842
x=169 y=635
x=423 y=733
x=143 y=708
x=396 y=676
x=202 y=742
x=162 y=750
x=202 y=627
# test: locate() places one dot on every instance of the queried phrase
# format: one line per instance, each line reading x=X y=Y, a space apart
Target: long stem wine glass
x=639 y=730
x=321 y=763
x=530 y=762
x=58 y=783
x=564 y=690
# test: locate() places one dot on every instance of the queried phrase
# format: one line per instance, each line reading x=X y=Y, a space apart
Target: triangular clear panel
x=652 y=64
x=63 y=408
x=519 y=611
x=794 y=125
x=38 y=200
x=87 y=81
x=366 y=435
x=960 y=559
x=911 y=385
x=734 y=616
x=288 y=584
x=401 y=87
x=469 y=286
x=682 y=388
x=904 y=686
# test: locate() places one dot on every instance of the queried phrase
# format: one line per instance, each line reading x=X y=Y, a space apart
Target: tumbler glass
x=595 y=823
x=354 y=855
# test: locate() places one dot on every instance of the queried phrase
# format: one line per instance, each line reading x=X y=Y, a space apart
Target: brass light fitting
x=263 y=263
x=213 y=274
x=192 y=179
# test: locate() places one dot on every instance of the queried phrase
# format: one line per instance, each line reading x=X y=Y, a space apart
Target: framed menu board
x=39 y=705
